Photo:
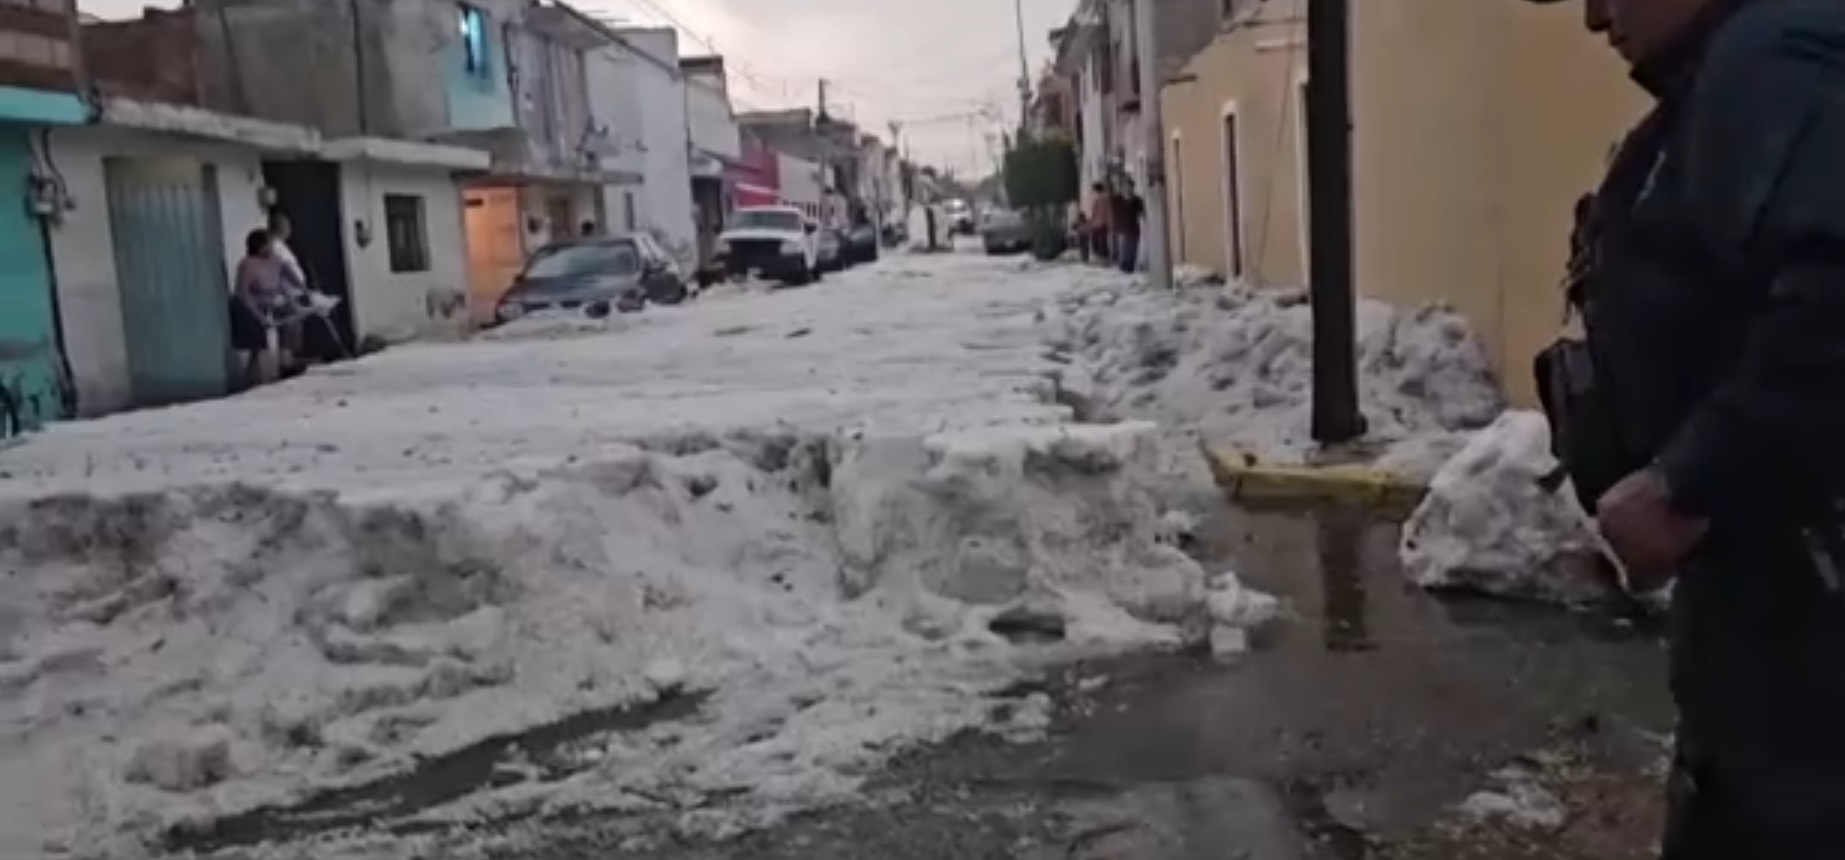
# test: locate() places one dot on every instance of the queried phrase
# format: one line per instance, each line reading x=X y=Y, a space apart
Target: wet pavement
x=1352 y=731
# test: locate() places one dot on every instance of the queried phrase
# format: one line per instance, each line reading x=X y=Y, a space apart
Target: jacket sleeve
x=1765 y=184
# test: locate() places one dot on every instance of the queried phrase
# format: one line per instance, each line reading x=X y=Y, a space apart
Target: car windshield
x=600 y=258
x=766 y=219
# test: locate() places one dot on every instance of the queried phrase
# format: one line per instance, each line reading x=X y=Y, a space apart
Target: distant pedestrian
x=1128 y=210
x=1101 y=205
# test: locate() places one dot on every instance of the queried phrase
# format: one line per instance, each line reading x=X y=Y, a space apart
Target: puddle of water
x=1377 y=706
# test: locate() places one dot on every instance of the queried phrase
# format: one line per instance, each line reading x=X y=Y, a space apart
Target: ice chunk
x=183 y=761
x=1494 y=522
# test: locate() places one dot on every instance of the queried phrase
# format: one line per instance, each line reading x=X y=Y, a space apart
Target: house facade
x=163 y=198
x=1475 y=127
x=372 y=197
x=1093 y=85
x=803 y=184
x=41 y=74
x=715 y=145
x=759 y=182
x=620 y=122
x=665 y=139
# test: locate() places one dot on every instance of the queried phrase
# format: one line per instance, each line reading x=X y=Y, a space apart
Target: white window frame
x=1175 y=176
x=1236 y=243
x=1301 y=179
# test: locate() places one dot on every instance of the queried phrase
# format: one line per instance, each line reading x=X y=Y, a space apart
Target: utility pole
x=1018 y=13
x=1329 y=202
x=1153 y=129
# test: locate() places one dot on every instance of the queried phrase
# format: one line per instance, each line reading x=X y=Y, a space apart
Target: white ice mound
x=1235 y=365
x=1062 y=523
x=1489 y=525
x=178 y=656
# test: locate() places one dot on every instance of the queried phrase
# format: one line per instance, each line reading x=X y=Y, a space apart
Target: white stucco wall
x=1095 y=132
x=668 y=184
x=82 y=246
x=802 y=184
x=615 y=109
x=397 y=306
x=713 y=125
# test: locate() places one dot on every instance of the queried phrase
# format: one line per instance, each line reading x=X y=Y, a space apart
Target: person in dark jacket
x=1125 y=215
x=1712 y=292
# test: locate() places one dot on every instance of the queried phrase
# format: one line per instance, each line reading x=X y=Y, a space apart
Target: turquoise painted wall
x=41 y=106
x=475 y=71
x=28 y=329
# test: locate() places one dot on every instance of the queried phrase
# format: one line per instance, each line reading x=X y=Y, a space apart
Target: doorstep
x=1331 y=482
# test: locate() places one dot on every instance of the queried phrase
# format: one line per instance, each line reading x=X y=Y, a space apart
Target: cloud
x=948 y=68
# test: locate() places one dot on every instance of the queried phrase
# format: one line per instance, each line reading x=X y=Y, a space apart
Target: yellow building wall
x=1476 y=124
x=1254 y=70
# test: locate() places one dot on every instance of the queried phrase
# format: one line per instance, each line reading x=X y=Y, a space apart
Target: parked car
x=831 y=249
x=1004 y=231
x=594 y=274
x=896 y=233
x=777 y=242
x=862 y=244
x=960 y=217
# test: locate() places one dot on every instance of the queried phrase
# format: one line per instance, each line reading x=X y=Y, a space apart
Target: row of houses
x=1475 y=124
x=421 y=148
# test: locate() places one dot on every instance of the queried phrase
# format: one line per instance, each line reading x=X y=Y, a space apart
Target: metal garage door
x=170 y=263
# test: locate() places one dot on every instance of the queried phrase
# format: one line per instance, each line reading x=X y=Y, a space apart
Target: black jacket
x=1714 y=301
x=1716 y=308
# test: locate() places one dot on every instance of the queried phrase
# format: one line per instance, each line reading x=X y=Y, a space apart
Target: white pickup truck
x=776 y=242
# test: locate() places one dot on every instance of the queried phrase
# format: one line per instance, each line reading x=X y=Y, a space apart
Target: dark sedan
x=594 y=275
x=862 y=244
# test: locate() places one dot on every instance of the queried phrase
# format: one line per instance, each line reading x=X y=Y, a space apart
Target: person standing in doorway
x=259 y=297
x=1128 y=212
x=281 y=229
x=298 y=293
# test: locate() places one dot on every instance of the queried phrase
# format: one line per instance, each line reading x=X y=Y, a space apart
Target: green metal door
x=170 y=265
x=29 y=377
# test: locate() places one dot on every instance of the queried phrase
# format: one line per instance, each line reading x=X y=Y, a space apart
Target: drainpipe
x=67 y=379
x=80 y=70
x=358 y=69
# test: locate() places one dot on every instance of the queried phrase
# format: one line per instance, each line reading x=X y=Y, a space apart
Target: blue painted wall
x=475 y=71
x=28 y=329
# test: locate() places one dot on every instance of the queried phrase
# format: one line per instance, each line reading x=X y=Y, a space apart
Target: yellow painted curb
x=1242 y=479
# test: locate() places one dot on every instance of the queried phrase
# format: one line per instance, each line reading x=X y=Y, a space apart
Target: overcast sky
x=945 y=67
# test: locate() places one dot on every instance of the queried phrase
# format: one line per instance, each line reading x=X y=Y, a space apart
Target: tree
x=1042 y=181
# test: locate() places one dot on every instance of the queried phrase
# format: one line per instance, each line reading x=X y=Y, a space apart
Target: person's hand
x=1649 y=537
